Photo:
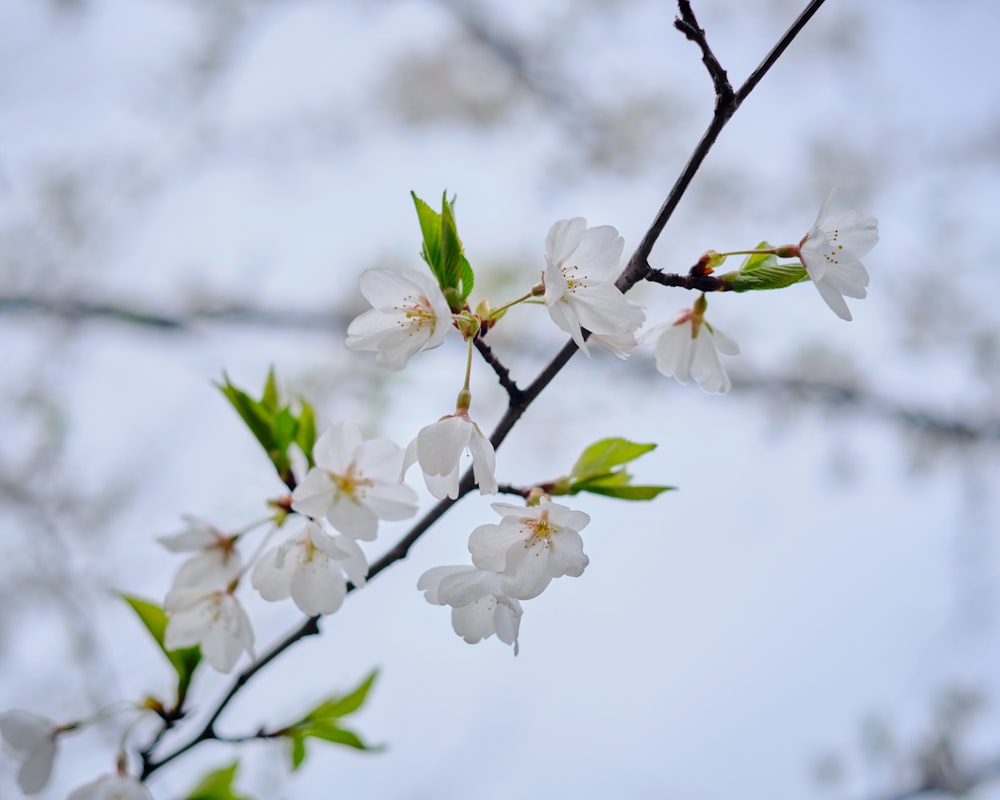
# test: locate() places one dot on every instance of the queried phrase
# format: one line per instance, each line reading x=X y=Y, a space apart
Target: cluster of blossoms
x=31 y=739
x=354 y=483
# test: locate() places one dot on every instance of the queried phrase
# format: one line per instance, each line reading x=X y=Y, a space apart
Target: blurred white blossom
x=31 y=740
x=213 y=619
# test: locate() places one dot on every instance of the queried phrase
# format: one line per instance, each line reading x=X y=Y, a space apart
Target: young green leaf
x=602 y=456
x=336 y=707
x=218 y=785
x=430 y=228
x=305 y=436
x=185 y=660
x=270 y=399
x=450 y=269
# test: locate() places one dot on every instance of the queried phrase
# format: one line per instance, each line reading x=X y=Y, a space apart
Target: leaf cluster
x=443 y=251
x=323 y=722
x=274 y=425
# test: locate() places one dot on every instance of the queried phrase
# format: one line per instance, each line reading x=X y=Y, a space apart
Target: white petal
x=705 y=366
x=272 y=576
x=334 y=449
x=314 y=495
x=440 y=445
x=484 y=461
x=318 y=585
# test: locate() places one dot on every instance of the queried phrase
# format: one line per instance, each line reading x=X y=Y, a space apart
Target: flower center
x=538 y=532
x=353 y=483
x=415 y=313
x=572 y=277
x=834 y=237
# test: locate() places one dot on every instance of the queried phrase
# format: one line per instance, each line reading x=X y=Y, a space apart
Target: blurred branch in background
x=842 y=394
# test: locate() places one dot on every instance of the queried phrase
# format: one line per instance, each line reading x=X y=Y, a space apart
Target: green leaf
x=323 y=722
x=336 y=707
x=270 y=398
x=298 y=754
x=430 y=228
x=331 y=733
x=305 y=436
x=601 y=456
x=256 y=416
x=285 y=428
x=450 y=269
x=184 y=660
x=762 y=272
x=468 y=279
x=620 y=490
x=218 y=785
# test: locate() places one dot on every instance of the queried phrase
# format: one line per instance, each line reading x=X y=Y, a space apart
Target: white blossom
x=310 y=568
x=831 y=253
x=217 y=561
x=438 y=449
x=689 y=348
x=531 y=546
x=409 y=313
x=213 y=619
x=580 y=263
x=31 y=740
x=355 y=483
x=112 y=787
x=479 y=608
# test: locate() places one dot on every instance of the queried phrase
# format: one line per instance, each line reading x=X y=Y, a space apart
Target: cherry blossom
x=479 y=608
x=112 y=787
x=310 y=568
x=690 y=347
x=579 y=283
x=438 y=449
x=530 y=546
x=409 y=313
x=31 y=740
x=213 y=619
x=217 y=561
x=355 y=483
x=831 y=253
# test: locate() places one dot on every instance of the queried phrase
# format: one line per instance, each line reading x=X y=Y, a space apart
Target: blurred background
x=190 y=187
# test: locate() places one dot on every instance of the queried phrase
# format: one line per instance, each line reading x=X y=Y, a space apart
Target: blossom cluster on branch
x=339 y=486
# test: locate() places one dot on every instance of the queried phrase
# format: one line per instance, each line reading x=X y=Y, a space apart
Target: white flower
x=215 y=620
x=689 y=348
x=531 y=546
x=831 y=253
x=355 y=483
x=310 y=569
x=31 y=740
x=579 y=282
x=438 y=449
x=112 y=787
x=479 y=606
x=217 y=562
x=408 y=314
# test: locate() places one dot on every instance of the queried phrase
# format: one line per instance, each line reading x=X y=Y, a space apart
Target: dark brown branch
x=688 y=25
x=503 y=374
x=696 y=281
x=636 y=270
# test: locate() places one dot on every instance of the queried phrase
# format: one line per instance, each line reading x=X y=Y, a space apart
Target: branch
x=688 y=25
x=518 y=403
x=503 y=374
x=76 y=310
